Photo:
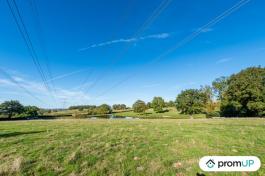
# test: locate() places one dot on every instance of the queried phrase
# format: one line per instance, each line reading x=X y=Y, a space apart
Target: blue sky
x=101 y=51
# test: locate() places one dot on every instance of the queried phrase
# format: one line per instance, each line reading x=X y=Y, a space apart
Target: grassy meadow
x=168 y=113
x=125 y=147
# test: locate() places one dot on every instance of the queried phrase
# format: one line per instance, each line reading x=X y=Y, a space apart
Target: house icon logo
x=210 y=163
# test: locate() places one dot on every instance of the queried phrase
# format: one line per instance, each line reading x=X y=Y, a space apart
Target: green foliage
x=139 y=106
x=103 y=109
x=30 y=111
x=208 y=91
x=168 y=113
x=81 y=107
x=158 y=104
x=220 y=86
x=245 y=94
x=213 y=114
x=191 y=101
x=211 y=106
x=119 y=107
x=170 y=104
x=149 y=105
x=11 y=108
x=93 y=110
x=257 y=107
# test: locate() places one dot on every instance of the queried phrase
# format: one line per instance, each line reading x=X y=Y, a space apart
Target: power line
x=6 y=74
x=43 y=46
x=185 y=40
x=42 y=42
x=162 y=6
x=124 y=19
x=25 y=35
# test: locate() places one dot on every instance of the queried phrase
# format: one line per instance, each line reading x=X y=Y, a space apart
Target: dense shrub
x=213 y=114
x=119 y=106
x=245 y=94
x=103 y=109
x=139 y=106
x=11 y=108
x=158 y=104
x=191 y=101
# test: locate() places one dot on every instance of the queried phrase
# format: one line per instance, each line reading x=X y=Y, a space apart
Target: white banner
x=229 y=163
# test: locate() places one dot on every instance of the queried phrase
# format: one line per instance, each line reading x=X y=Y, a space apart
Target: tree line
x=238 y=95
x=14 y=108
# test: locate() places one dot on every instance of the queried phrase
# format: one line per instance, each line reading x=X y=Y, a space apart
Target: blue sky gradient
x=101 y=51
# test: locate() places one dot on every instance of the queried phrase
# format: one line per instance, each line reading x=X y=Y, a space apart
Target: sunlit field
x=125 y=147
x=168 y=113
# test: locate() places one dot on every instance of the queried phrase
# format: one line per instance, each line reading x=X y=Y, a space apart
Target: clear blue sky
x=92 y=46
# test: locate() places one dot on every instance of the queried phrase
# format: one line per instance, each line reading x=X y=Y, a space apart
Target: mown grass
x=168 y=113
x=125 y=147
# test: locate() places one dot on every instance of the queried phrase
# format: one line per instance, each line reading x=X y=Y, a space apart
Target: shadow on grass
x=165 y=110
x=12 y=134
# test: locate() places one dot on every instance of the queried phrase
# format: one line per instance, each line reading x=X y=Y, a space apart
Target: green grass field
x=125 y=147
x=169 y=113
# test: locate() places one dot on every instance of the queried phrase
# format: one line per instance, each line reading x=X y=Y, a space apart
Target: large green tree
x=245 y=94
x=103 y=109
x=149 y=105
x=219 y=86
x=31 y=111
x=139 y=106
x=191 y=101
x=119 y=106
x=158 y=104
x=210 y=105
x=10 y=108
x=170 y=104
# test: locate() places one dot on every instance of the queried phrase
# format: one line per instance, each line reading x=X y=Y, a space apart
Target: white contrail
x=128 y=40
x=186 y=40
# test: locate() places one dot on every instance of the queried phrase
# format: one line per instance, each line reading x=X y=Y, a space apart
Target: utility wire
x=186 y=40
x=25 y=35
x=43 y=46
x=8 y=76
x=128 y=11
x=162 y=6
x=40 y=35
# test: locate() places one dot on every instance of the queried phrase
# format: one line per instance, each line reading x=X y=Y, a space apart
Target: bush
x=119 y=107
x=191 y=101
x=158 y=104
x=103 y=109
x=139 y=106
x=213 y=114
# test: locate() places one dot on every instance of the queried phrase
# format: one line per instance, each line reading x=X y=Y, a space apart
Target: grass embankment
x=125 y=147
x=169 y=113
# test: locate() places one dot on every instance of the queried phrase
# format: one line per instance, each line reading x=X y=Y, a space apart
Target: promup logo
x=229 y=163
x=210 y=163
